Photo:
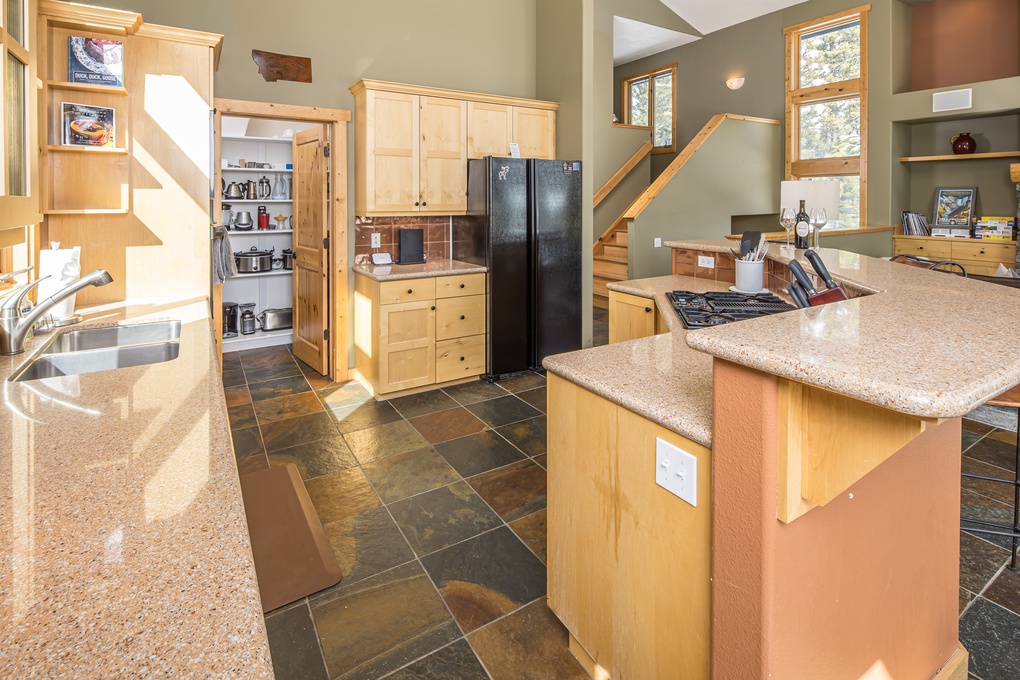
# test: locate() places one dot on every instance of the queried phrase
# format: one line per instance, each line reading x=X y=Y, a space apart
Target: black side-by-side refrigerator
x=524 y=224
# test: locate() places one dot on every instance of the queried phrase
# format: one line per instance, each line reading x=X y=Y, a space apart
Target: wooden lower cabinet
x=978 y=257
x=632 y=317
x=419 y=332
x=629 y=562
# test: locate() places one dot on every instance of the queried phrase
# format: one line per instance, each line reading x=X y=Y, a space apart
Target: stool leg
x=1016 y=496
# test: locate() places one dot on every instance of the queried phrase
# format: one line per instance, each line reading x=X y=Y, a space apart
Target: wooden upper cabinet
x=412 y=143
x=443 y=179
x=391 y=171
x=535 y=132
x=490 y=129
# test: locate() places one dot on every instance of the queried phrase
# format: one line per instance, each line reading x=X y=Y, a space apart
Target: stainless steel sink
x=92 y=360
x=100 y=349
x=114 y=336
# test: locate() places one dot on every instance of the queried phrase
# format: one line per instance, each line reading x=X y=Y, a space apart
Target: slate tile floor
x=434 y=505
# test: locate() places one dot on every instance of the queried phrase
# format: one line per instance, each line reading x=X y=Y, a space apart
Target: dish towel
x=224 y=265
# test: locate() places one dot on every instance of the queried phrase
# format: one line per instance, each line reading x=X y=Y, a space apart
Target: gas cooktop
x=701 y=310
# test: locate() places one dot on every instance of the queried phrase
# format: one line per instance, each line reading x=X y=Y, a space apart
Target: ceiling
x=711 y=15
x=635 y=39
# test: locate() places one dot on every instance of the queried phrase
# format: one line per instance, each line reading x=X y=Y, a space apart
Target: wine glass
x=787 y=219
x=818 y=220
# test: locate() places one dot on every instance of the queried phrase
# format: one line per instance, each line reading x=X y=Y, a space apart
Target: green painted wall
x=733 y=173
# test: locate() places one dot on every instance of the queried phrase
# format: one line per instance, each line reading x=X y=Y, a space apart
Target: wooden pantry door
x=311 y=254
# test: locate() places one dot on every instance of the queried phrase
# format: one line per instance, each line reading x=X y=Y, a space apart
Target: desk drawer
x=933 y=250
x=408 y=290
x=460 y=316
x=462 y=284
x=990 y=252
x=460 y=358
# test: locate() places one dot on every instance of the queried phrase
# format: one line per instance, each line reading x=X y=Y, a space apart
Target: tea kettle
x=233 y=192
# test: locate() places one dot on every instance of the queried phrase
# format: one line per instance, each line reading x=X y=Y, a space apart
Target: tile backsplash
x=437 y=235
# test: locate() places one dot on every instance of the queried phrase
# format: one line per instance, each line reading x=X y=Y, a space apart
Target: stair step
x=619 y=238
x=609 y=269
x=615 y=253
x=598 y=285
x=600 y=301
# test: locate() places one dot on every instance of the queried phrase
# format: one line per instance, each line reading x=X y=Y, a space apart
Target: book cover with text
x=95 y=60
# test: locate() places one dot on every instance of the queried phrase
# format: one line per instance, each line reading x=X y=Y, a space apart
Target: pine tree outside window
x=649 y=98
x=827 y=107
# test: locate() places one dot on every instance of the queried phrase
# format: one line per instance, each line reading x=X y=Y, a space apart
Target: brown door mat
x=292 y=556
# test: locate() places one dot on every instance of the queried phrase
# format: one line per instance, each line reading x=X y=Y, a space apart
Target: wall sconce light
x=735 y=83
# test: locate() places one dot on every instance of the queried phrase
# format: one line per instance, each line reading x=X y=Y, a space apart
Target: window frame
x=20 y=211
x=625 y=84
x=797 y=96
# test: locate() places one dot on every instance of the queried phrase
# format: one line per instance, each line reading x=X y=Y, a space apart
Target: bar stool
x=1010 y=399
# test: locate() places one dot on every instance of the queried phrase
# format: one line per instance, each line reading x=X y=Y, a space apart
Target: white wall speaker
x=952 y=100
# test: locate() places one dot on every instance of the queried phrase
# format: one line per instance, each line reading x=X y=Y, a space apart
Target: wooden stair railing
x=624 y=170
x=607 y=249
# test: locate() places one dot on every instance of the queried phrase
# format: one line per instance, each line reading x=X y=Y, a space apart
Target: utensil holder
x=750 y=275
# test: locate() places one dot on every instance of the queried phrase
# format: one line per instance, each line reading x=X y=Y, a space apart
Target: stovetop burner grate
x=701 y=310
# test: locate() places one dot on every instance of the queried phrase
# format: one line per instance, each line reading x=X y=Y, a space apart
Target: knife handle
x=799 y=296
x=801 y=276
x=816 y=261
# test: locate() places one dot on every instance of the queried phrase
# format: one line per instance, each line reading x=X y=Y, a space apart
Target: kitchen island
x=124 y=540
x=825 y=538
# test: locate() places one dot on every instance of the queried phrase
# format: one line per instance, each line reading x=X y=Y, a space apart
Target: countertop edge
x=428 y=270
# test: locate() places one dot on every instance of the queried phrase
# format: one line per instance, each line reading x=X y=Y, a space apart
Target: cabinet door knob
x=409 y=291
x=433 y=308
x=423 y=204
x=416 y=204
x=648 y=309
x=462 y=358
x=462 y=285
x=461 y=317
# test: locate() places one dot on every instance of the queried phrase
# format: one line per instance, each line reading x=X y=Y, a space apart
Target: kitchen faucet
x=14 y=327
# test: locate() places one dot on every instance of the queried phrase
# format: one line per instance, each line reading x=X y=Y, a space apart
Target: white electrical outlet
x=706 y=261
x=658 y=242
x=676 y=471
x=376 y=240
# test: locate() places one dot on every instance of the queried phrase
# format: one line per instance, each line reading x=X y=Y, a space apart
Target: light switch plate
x=676 y=471
x=658 y=242
x=376 y=240
x=706 y=261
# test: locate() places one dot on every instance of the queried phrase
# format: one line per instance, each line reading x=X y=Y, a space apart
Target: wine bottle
x=803 y=228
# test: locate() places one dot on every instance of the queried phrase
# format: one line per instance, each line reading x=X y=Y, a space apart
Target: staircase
x=610 y=254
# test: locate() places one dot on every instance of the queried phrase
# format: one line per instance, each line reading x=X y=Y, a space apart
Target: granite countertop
x=924 y=343
x=400 y=272
x=659 y=377
x=124 y=537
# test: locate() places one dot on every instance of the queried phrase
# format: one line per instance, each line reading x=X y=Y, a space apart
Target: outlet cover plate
x=676 y=471
x=376 y=240
x=706 y=261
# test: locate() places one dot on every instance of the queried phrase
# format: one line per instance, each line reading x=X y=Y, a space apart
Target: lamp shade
x=816 y=193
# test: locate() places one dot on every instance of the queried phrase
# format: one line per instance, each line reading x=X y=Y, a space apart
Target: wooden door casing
x=443 y=155
x=311 y=258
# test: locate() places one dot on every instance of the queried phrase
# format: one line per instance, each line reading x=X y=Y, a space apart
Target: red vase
x=963 y=143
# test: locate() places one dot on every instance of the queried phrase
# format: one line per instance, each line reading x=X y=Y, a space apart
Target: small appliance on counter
x=276 y=319
x=247 y=318
x=411 y=246
x=229 y=319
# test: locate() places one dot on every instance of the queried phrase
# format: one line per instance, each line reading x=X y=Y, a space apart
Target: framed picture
x=85 y=125
x=954 y=207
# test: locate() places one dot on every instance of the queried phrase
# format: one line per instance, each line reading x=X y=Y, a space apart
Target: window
x=16 y=24
x=649 y=98
x=827 y=107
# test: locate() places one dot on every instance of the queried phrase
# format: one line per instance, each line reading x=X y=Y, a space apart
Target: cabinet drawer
x=990 y=252
x=462 y=284
x=460 y=358
x=982 y=267
x=935 y=250
x=409 y=290
x=459 y=317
